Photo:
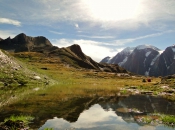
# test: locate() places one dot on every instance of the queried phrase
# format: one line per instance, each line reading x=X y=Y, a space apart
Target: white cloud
x=125 y=41
x=98 y=50
x=6 y=33
x=76 y=25
x=93 y=49
x=112 y=10
x=98 y=114
x=97 y=37
x=120 y=14
x=53 y=123
x=55 y=32
x=10 y=21
x=90 y=119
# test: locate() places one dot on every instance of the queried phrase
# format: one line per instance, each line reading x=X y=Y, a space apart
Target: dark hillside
x=71 y=55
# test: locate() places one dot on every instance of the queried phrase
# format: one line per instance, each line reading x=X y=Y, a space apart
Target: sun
x=112 y=10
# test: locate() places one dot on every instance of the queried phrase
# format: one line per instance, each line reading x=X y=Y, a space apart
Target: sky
x=101 y=27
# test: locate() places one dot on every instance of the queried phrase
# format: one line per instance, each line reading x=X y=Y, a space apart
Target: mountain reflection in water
x=116 y=115
x=96 y=118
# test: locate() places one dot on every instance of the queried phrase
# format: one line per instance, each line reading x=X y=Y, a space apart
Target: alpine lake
x=88 y=100
x=132 y=112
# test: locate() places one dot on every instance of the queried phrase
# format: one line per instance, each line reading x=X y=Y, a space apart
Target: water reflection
x=93 y=113
x=96 y=118
x=120 y=115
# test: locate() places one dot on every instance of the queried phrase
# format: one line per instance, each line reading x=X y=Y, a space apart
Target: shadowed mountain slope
x=22 y=43
x=145 y=60
x=71 y=55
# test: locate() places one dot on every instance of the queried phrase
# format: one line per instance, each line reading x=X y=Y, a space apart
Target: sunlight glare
x=112 y=10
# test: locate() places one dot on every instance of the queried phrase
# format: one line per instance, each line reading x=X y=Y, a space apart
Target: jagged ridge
x=71 y=55
x=146 y=60
x=22 y=43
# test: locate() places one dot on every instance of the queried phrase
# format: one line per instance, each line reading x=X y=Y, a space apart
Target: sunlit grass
x=68 y=82
x=75 y=82
x=168 y=119
x=25 y=119
x=48 y=129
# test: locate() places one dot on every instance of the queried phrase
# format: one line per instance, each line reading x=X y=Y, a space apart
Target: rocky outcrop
x=8 y=62
x=22 y=43
x=11 y=72
x=76 y=49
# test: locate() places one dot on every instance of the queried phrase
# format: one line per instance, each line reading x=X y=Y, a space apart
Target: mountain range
x=72 y=55
x=145 y=60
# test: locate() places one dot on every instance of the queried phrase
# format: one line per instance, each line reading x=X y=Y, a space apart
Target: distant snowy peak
x=161 y=51
x=173 y=48
x=141 y=47
x=146 y=60
x=127 y=50
x=105 y=60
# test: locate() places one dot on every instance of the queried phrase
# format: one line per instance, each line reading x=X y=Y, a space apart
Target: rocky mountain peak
x=140 y=47
x=75 y=48
x=71 y=55
x=22 y=42
x=146 y=60
x=21 y=35
x=22 y=38
x=105 y=60
x=120 y=57
x=173 y=48
x=1 y=39
x=127 y=50
x=6 y=61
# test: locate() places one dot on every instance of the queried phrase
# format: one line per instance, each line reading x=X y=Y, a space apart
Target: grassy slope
x=72 y=82
x=81 y=81
x=16 y=83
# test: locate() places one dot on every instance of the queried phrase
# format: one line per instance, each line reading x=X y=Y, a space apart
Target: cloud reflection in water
x=96 y=118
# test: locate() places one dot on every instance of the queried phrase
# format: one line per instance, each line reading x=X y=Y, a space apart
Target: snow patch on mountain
x=127 y=50
x=106 y=59
x=147 y=72
x=121 y=63
x=148 y=53
x=161 y=51
x=141 y=47
x=109 y=60
x=173 y=49
x=144 y=61
x=166 y=63
x=153 y=61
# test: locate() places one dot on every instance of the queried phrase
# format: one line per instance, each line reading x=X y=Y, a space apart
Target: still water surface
x=118 y=115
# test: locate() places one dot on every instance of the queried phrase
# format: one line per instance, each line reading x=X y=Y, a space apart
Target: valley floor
x=66 y=83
